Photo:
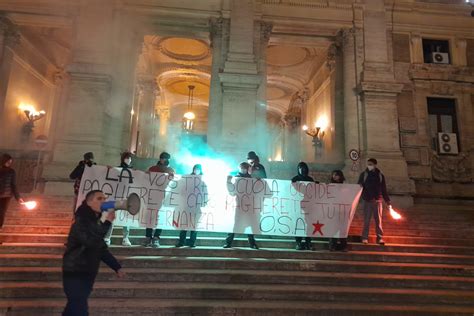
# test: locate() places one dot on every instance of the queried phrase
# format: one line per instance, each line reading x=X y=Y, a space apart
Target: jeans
x=3 y=209
x=77 y=288
x=230 y=239
x=149 y=233
x=373 y=208
x=192 y=237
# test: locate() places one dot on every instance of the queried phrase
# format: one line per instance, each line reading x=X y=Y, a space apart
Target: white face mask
x=371 y=168
x=128 y=161
x=243 y=171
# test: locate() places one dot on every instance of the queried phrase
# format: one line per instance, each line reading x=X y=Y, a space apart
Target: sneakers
x=365 y=241
x=381 y=242
x=309 y=246
x=126 y=242
x=107 y=241
x=151 y=242
x=179 y=245
x=227 y=246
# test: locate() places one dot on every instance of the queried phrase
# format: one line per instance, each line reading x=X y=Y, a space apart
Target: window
x=442 y=119
x=436 y=51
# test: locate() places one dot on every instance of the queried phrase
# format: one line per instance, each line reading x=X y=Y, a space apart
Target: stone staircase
x=426 y=268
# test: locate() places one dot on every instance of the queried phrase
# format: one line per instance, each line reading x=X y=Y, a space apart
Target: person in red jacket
x=152 y=239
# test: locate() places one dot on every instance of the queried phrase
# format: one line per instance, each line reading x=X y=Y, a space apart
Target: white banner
x=222 y=204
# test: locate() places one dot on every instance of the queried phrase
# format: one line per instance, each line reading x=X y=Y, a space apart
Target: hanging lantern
x=189 y=116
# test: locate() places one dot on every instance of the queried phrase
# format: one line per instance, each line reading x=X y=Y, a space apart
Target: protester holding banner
x=373 y=193
x=243 y=173
x=257 y=170
x=77 y=173
x=152 y=239
x=125 y=164
x=337 y=176
x=85 y=249
x=197 y=171
x=303 y=175
x=8 y=188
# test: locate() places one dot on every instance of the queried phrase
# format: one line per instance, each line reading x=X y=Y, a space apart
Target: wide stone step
x=215 y=262
x=250 y=277
x=218 y=241
x=49 y=229
x=184 y=290
x=365 y=255
x=57 y=248
x=167 y=307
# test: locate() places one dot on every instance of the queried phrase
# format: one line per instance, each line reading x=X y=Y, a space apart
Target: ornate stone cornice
x=441 y=72
x=382 y=88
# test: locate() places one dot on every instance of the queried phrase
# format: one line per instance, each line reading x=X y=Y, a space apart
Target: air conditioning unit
x=447 y=144
x=440 y=58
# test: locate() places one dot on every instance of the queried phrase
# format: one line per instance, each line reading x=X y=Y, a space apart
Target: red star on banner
x=317 y=228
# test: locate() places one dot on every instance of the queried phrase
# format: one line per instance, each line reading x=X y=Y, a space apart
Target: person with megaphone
x=85 y=249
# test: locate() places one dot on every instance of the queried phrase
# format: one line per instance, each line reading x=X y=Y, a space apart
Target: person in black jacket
x=243 y=173
x=257 y=170
x=373 y=193
x=303 y=175
x=8 y=187
x=77 y=173
x=85 y=249
x=197 y=170
x=340 y=244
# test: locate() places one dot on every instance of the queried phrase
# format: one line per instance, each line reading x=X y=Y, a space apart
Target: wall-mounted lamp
x=32 y=115
x=317 y=133
x=189 y=116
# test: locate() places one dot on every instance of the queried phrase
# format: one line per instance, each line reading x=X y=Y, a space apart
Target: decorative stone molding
x=451 y=168
x=380 y=87
x=333 y=52
x=9 y=31
x=159 y=43
x=163 y=113
x=441 y=72
x=266 y=30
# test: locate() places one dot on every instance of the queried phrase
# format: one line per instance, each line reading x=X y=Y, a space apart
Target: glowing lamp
x=395 y=215
x=31 y=113
x=317 y=133
x=189 y=116
x=30 y=205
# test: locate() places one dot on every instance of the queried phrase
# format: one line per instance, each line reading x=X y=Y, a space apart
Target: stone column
x=240 y=81
x=146 y=117
x=214 y=116
x=261 y=111
x=9 y=38
x=351 y=102
x=379 y=96
x=460 y=57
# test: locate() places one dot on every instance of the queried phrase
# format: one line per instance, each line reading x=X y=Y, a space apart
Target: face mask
x=243 y=171
x=371 y=168
x=128 y=161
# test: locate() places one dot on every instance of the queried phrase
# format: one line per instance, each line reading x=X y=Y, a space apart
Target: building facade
x=311 y=80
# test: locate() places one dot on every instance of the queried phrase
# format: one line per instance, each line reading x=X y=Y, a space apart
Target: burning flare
x=30 y=205
x=395 y=215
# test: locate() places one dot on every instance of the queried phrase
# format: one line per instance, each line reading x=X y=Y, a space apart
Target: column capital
x=10 y=31
x=345 y=35
x=163 y=112
x=215 y=28
x=266 y=30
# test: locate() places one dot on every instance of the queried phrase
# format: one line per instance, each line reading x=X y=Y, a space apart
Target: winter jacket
x=258 y=171
x=161 y=168
x=77 y=173
x=8 y=187
x=302 y=174
x=374 y=186
x=85 y=246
